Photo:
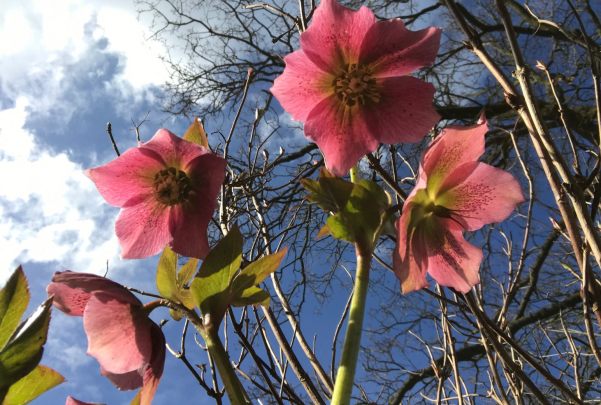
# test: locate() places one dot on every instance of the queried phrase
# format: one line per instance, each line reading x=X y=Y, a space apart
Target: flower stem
x=345 y=375
x=233 y=387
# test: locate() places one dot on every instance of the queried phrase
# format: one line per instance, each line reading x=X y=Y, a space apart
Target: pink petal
x=126 y=381
x=393 y=50
x=334 y=36
x=129 y=176
x=453 y=148
x=154 y=370
x=409 y=259
x=188 y=221
x=341 y=134
x=452 y=261
x=404 y=113
x=143 y=229
x=301 y=86
x=73 y=290
x=174 y=151
x=118 y=334
x=72 y=401
x=485 y=195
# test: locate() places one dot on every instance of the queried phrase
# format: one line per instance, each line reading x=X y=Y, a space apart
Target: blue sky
x=66 y=68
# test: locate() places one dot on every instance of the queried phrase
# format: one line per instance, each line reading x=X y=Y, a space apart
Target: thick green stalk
x=233 y=387
x=345 y=375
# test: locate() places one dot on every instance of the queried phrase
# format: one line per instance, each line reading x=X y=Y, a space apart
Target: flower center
x=438 y=210
x=356 y=85
x=172 y=186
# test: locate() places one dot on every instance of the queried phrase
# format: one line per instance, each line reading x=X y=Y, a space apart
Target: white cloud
x=51 y=212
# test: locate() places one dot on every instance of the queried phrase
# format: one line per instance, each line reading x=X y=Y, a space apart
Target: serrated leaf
x=14 y=298
x=252 y=296
x=166 y=274
x=38 y=381
x=256 y=272
x=24 y=349
x=210 y=289
x=196 y=134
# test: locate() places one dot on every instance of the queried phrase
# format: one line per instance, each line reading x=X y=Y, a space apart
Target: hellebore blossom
x=454 y=193
x=129 y=347
x=167 y=189
x=74 y=401
x=348 y=83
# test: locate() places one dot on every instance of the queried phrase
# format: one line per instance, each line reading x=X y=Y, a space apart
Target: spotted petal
x=173 y=150
x=301 y=86
x=393 y=50
x=341 y=133
x=335 y=34
x=409 y=258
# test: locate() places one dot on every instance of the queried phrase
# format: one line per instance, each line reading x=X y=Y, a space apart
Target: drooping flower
x=454 y=193
x=129 y=347
x=167 y=188
x=349 y=83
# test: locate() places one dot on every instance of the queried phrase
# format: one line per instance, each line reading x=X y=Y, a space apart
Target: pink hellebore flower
x=168 y=189
x=454 y=193
x=74 y=401
x=128 y=345
x=348 y=83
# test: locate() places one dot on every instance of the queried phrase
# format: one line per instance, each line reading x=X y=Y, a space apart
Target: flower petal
x=301 y=86
x=126 y=381
x=154 y=370
x=174 y=151
x=334 y=36
x=404 y=113
x=393 y=50
x=129 y=176
x=73 y=290
x=188 y=221
x=143 y=229
x=118 y=334
x=452 y=261
x=453 y=148
x=409 y=257
x=73 y=401
x=486 y=195
x=341 y=134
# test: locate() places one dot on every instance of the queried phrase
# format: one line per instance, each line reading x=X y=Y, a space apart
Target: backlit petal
x=301 y=86
x=118 y=334
x=72 y=291
x=486 y=195
x=335 y=34
x=174 y=151
x=452 y=261
x=409 y=257
x=404 y=113
x=129 y=176
x=143 y=229
x=393 y=50
x=341 y=134
x=154 y=370
x=454 y=147
x=188 y=221
x=126 y=381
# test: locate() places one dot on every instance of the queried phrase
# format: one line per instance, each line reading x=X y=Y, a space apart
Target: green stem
x=345 y=375
x=233 y=387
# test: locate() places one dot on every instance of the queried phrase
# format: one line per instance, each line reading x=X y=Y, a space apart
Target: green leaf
x=252 y=296
x=166 y=274
x=24 y=349
x=38 y=381
x=14 y=298
x=210 y=289
x=330 y=193
x=196 y=134
x=187 y=272
x=256 y=272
